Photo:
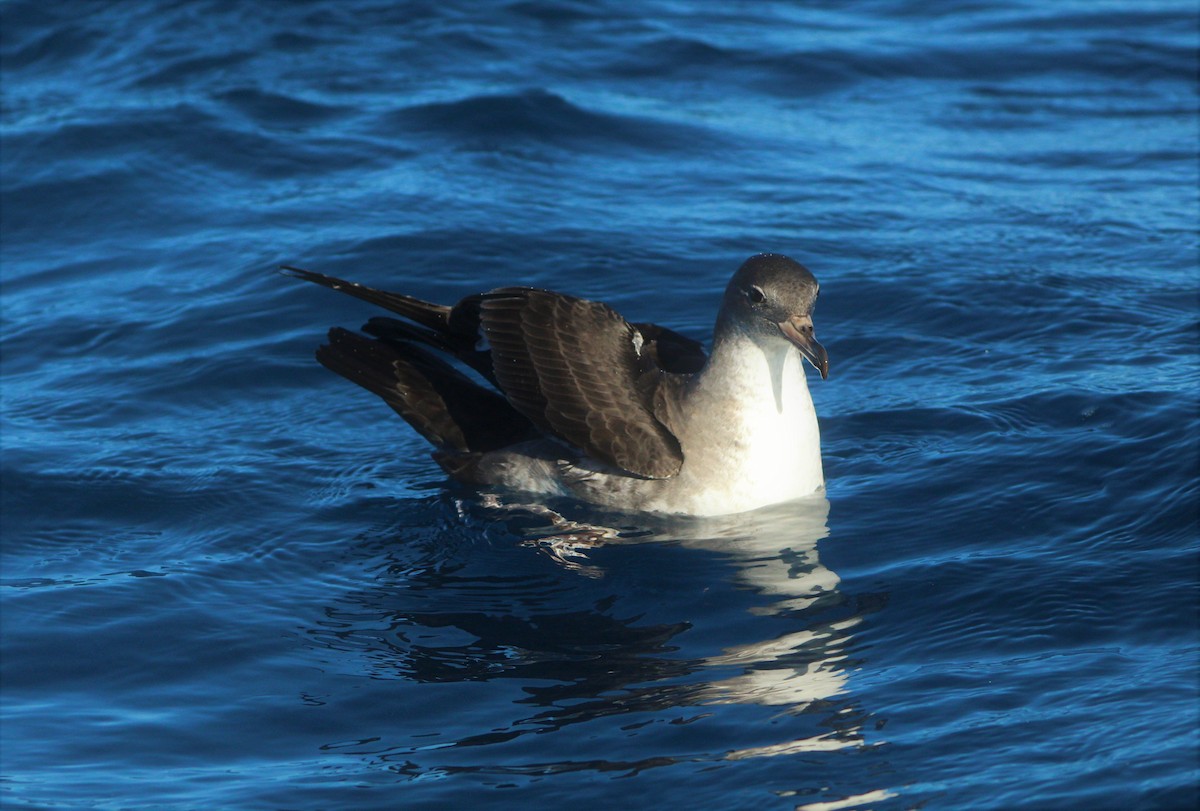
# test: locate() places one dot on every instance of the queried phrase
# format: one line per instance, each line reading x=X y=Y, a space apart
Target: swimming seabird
x=585 y=404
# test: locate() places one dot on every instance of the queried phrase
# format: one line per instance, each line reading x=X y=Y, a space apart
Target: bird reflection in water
x=629 y=628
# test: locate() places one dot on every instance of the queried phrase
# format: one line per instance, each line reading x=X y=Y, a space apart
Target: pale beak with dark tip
x=799 y=330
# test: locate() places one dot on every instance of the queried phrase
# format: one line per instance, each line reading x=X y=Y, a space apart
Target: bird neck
x=744 y=367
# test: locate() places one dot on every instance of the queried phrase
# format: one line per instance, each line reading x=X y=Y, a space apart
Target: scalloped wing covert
x=573 y=367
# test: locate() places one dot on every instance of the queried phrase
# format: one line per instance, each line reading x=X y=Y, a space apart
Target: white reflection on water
x=634 y=631
x=776 y=552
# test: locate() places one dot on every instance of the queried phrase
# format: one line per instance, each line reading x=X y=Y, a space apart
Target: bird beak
x=799 y=330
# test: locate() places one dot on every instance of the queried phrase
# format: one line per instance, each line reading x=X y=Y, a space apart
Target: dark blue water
x=233 y=580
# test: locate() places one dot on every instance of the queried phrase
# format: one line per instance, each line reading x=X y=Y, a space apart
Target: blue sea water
x=233 y=580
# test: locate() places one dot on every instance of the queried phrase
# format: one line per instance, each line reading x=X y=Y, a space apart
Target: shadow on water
x=675 y=640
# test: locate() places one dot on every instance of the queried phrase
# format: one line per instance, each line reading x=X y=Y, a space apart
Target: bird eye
x=756 y=295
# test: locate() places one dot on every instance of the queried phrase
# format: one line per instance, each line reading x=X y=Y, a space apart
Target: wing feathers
x=571 y=367
x=431 y=316
x=444 y=406
x=566 y=366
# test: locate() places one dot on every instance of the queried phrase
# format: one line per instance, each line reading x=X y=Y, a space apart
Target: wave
x=539 y=116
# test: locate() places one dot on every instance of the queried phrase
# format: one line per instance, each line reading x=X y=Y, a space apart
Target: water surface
x=233 y=580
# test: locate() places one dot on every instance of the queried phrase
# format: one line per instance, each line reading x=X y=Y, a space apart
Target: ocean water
x=233 y=580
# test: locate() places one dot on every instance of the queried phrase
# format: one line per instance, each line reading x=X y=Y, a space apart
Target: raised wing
x=575 y=369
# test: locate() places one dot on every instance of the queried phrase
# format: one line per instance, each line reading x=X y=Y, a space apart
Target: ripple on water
x=231 y=579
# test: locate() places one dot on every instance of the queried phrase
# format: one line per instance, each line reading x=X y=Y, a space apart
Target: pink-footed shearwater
x=631 y=416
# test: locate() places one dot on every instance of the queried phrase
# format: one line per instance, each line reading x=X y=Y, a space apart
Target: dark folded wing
x=575 y=368
x=446 y=407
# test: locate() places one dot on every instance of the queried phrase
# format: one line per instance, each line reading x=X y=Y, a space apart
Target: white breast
x=750 y=435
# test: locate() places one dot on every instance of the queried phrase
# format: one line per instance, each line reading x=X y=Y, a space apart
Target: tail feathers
x=432 y=316
x=446 y=407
